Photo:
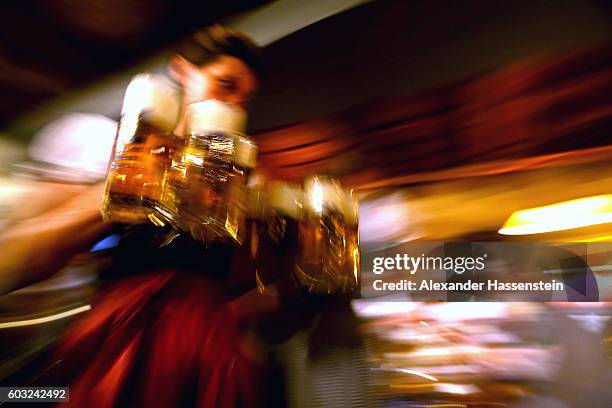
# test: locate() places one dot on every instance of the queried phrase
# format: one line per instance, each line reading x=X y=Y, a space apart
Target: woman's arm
x=35 y=247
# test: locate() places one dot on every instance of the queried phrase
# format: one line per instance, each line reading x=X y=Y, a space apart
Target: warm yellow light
x=197 y=160
x=317 y=197
x=567 y=215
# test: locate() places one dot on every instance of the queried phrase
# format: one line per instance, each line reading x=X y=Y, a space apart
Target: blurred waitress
x=160 y=332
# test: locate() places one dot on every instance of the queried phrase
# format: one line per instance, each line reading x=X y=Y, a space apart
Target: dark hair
x=205 y=45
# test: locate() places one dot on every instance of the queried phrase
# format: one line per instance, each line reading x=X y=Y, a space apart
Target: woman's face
x=226 y=78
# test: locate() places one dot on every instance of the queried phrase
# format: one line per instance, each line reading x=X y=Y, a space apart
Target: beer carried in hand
x=205 y=187
x=275 y=225
x=143 y=147
x=328 y=259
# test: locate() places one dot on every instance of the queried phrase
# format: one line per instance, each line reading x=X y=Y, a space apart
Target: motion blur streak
x=420 y=374
x=46 y=319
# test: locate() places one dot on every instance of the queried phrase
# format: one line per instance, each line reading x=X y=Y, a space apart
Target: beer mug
x=205 y=188
x=276 y=232
x=143 y=147
x=328 y=259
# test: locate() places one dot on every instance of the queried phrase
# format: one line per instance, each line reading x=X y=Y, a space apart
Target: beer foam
x=213 y=115
x=286 y=198
x=155 y=99
x=246 y=152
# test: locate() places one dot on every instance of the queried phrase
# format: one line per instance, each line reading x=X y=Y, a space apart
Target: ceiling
x=79 y=56
x=61 y=56
x=48 y=47
x=390 y=48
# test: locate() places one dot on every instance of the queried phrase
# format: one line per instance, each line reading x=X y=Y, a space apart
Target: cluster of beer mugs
x=196 y=180
x=311 y=230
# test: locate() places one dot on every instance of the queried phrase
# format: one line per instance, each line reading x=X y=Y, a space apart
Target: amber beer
x=204 y=192
x=328 y=260
x=143 y=146
x=277 y=232
x=245 y=159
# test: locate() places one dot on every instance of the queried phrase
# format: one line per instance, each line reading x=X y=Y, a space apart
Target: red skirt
x=157 y=340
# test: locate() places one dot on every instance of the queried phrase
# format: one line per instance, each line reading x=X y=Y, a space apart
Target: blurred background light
x=562 y=216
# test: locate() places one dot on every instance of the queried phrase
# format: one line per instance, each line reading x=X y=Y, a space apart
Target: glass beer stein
x=328 y=259
x=143 y=147
x=205 y=188
x=277 y=233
